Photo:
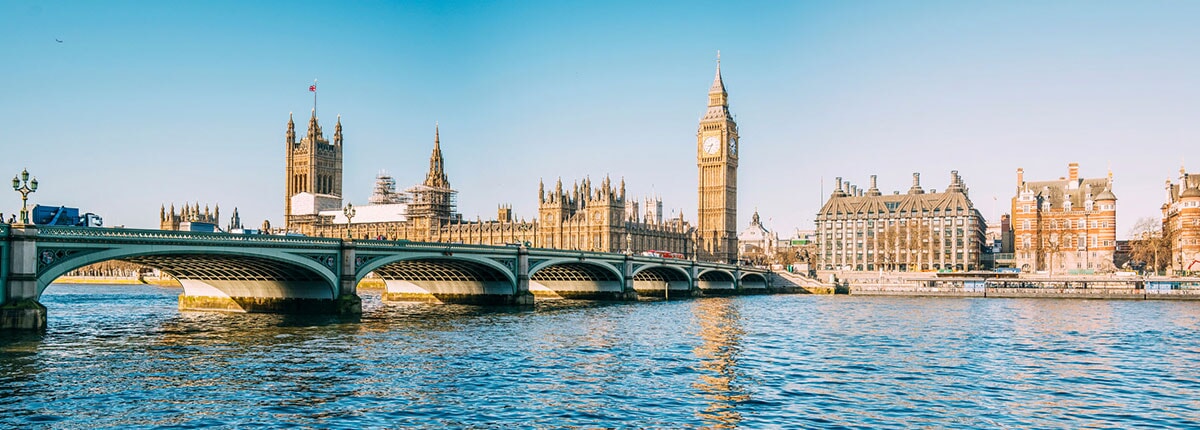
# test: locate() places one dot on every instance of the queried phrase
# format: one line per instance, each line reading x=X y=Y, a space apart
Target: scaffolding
x=431 y=202
x=385 y=191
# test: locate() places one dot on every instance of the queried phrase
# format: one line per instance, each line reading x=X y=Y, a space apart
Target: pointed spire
x=291 y=130
x=541 y=191
x=437 y=175
x=337 y=131
x=718 y=85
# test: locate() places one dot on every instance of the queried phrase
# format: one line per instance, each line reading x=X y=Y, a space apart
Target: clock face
x=733 y=145
x=711 y=145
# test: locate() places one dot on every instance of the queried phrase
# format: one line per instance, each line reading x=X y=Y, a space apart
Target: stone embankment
x=794 y=283
x=1025 y=286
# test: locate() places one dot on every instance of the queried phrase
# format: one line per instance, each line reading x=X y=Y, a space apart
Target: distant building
x=1181 y=221
x=1065 y=225
x=998 y=249
x=756 y=239
x=585 y=216
x=916 y=231
x=190 y=218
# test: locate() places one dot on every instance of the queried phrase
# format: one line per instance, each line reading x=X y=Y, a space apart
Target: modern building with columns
x=1065 y=225
x=864 y=229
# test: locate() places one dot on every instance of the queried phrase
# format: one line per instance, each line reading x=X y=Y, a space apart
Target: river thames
x=124 y=356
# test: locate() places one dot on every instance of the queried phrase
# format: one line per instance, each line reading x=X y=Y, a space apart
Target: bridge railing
x=433 y=246
x=139 y=234
x=571 y=253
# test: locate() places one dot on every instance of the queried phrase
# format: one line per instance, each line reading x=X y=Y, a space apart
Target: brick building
x=1181 y=221
x=1065 y=225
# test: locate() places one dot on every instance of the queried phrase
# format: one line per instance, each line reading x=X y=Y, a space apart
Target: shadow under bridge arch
x=223 y=280
x=753 y=283
x=461 y=280
x=578 y=279
x=716 y=282
x=655 y=280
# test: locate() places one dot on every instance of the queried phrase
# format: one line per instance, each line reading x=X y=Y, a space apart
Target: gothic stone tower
x=717 y=158
x=313 y=164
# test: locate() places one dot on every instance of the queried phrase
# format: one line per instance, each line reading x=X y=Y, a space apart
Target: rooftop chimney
x=916 y=186
x=1020 y=177
x=1073 y=171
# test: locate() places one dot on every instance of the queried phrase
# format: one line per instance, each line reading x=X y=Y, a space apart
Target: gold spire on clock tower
x=716 y=160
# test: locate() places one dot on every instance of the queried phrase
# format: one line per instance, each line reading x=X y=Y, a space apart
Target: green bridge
x=296 y=274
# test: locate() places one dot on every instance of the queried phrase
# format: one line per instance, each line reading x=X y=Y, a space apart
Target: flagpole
x=314 y=97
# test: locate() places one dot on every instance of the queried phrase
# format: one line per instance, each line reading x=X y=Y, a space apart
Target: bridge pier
x=19 y=308
x=282 y=305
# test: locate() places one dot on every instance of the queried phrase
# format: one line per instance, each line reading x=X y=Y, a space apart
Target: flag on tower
x=312 y=88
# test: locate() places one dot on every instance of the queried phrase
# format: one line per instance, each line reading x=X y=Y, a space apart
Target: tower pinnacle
x=437 y=175
x=718 y=85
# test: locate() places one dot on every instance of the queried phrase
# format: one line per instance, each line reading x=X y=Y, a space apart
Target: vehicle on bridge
x=661 y=254
x=62 y=215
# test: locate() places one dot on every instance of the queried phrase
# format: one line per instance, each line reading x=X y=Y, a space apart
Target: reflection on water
x=720 y=332
x=126 y=357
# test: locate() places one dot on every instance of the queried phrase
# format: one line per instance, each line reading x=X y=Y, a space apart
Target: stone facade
x=916 y=231
x=1181 y=221
x=313 y=164
x=717 y=161
x=587 y=217
x=171 y=220
x=1065 y=225
x=756 y=239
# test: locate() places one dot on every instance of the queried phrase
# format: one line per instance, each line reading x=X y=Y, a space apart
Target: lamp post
x=349 y=212
x=23 y=185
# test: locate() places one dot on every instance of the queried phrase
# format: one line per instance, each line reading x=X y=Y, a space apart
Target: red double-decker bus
x=661 y=254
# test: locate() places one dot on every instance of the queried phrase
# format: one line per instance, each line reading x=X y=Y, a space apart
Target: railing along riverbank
x=1029 y=286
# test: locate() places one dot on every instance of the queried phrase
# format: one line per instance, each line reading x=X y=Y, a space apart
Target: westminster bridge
x=298 y=274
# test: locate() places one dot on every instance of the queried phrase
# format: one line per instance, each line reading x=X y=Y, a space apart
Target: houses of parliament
x=586 y=215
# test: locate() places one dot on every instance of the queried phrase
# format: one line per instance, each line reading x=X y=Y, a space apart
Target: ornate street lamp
x=349 y=212
x=23 y=185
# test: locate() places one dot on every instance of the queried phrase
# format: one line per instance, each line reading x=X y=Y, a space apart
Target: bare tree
x=1151 y=243
x=1054 y=238
x=888 y=243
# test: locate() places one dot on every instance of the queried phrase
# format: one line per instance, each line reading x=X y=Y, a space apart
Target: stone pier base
x=346 y=304
x=615 y=296
x=681 y=294
x=719 y=292
x=461 y=299
x=23 y=315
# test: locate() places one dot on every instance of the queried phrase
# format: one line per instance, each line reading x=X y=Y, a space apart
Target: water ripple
x=125 y=357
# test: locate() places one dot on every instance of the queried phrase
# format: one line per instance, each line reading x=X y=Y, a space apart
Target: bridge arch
x=751 y=281
x=443 y=279
x=716 y=282
x=246 y=277
x=577 y=279
x=654 y=280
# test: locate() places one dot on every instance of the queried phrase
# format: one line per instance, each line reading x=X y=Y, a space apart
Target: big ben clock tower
x=716 y=159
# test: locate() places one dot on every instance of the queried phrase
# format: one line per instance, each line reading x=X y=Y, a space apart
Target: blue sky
x=149 y=103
